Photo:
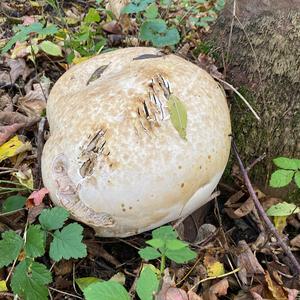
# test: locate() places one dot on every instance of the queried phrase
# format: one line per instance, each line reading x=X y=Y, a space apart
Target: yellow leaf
x=25 y=178
x=78 y=60
x=216 y=269
x=13 y=147
x=280 y=223
x=34 y=4
x=3 y=287
x=276 y=290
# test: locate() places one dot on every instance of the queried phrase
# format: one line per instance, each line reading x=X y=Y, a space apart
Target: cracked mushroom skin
x=114 y=159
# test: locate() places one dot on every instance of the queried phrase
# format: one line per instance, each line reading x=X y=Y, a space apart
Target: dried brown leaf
x=295 y=242
x=276 y=290
x=18 y=68
x=112 y=27
x=193 y=296
x=218 y=289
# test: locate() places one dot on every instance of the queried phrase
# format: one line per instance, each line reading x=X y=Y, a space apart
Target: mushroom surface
x=114 y=158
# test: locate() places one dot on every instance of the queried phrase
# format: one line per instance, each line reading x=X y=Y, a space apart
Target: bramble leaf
x=108 y=290
x=92 y=16
x=35 y=241
x=10 y=247
x=297 y=179
x=53 y=218
x=30 y=279
x=283 y=209
x=84 y=282
x=67 y=243
x=149 y=253
x=281 y=178
x=147 y=284
x=51 y=48
x=136 y=6
x=181 y=255
x=165 y=233
x=175 y=244
x=285 y=163
x=156 y=243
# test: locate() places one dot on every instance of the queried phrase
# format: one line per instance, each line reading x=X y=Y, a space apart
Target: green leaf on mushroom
x=178 y=115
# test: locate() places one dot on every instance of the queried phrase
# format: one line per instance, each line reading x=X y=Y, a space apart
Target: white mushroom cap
x=115 y=160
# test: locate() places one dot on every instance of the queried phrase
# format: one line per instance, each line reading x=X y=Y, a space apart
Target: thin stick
x=214 y=277
x=241 y=96
x=263 y=215
x=64 y=293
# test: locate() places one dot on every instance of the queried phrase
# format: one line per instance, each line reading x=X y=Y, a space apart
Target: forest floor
x=237 y=255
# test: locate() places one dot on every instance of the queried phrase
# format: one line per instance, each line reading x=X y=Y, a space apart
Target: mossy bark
x=263 y=62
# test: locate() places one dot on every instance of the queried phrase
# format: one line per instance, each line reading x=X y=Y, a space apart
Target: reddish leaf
x=36 y=197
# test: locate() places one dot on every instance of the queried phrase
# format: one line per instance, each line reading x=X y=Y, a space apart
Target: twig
x=64 y=293
x=240 y=95
x=263 y=215
x=214 y=277
x=40 y=146
x=259 y=159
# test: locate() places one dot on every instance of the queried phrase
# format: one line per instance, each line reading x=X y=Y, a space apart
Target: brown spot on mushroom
x=130 y=207
x=123 y=205
x=209 y=156
x=124 y=209
x=180 y=167
x=182 y=185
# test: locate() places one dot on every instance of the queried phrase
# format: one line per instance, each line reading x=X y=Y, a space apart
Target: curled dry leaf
x=34 y=102
x=193 y=296
x=36 y=197
x=8 y=131
x=176 y=294
x=112 y=27
x=277 y=291
x=116 y=6
x=207 y=63
x=18 y=68
x=218 y=289
x=295 y=242
x=248 y=263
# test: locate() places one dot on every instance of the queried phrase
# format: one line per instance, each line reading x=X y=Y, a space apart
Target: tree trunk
x=262 y=59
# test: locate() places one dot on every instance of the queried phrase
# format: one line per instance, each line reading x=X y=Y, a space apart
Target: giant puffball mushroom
x=115 y=160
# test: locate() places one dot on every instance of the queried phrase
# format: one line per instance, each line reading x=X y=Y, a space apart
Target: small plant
x=30 y=278
x=289 y=169
x=163 y=245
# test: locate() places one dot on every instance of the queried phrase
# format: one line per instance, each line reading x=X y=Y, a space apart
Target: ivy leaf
x=149 y=253
x=175 y=244
x=164 y=233
x=136 y=6
x=10 y=247
x=281 y=178
x=156 y=243
x=297 y=179
x=157 y=32
x=35 y=241
x=108 y=290
x=67 y=243
x=53 y=218
x=51 y=48
x=84 y=282
x=30 y=279
x=282 y=209
x=147 y=284
x=181 y=255
x=178 y=115
x=92 y=16
x=13 y=203
x=285 y=163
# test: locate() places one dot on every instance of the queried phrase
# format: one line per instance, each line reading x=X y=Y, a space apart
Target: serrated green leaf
x=10 y=247
x=51 y=48
x=149 y=253
x=53 y=218
x=285 y=163
x=181 y=255
x=30 y=279
x=297 y=179
x=106 y=290
x=147 y=284
x=175 y=244
x=84 y=282
x=67 y=243
x=156 y=243
x=178 y=115
x=165 y=233
x=157 y=32
x=151 y=11
x=282 y=209
x=92 y=16
x=13 y=203
x=281 y=178
x=35 y=241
